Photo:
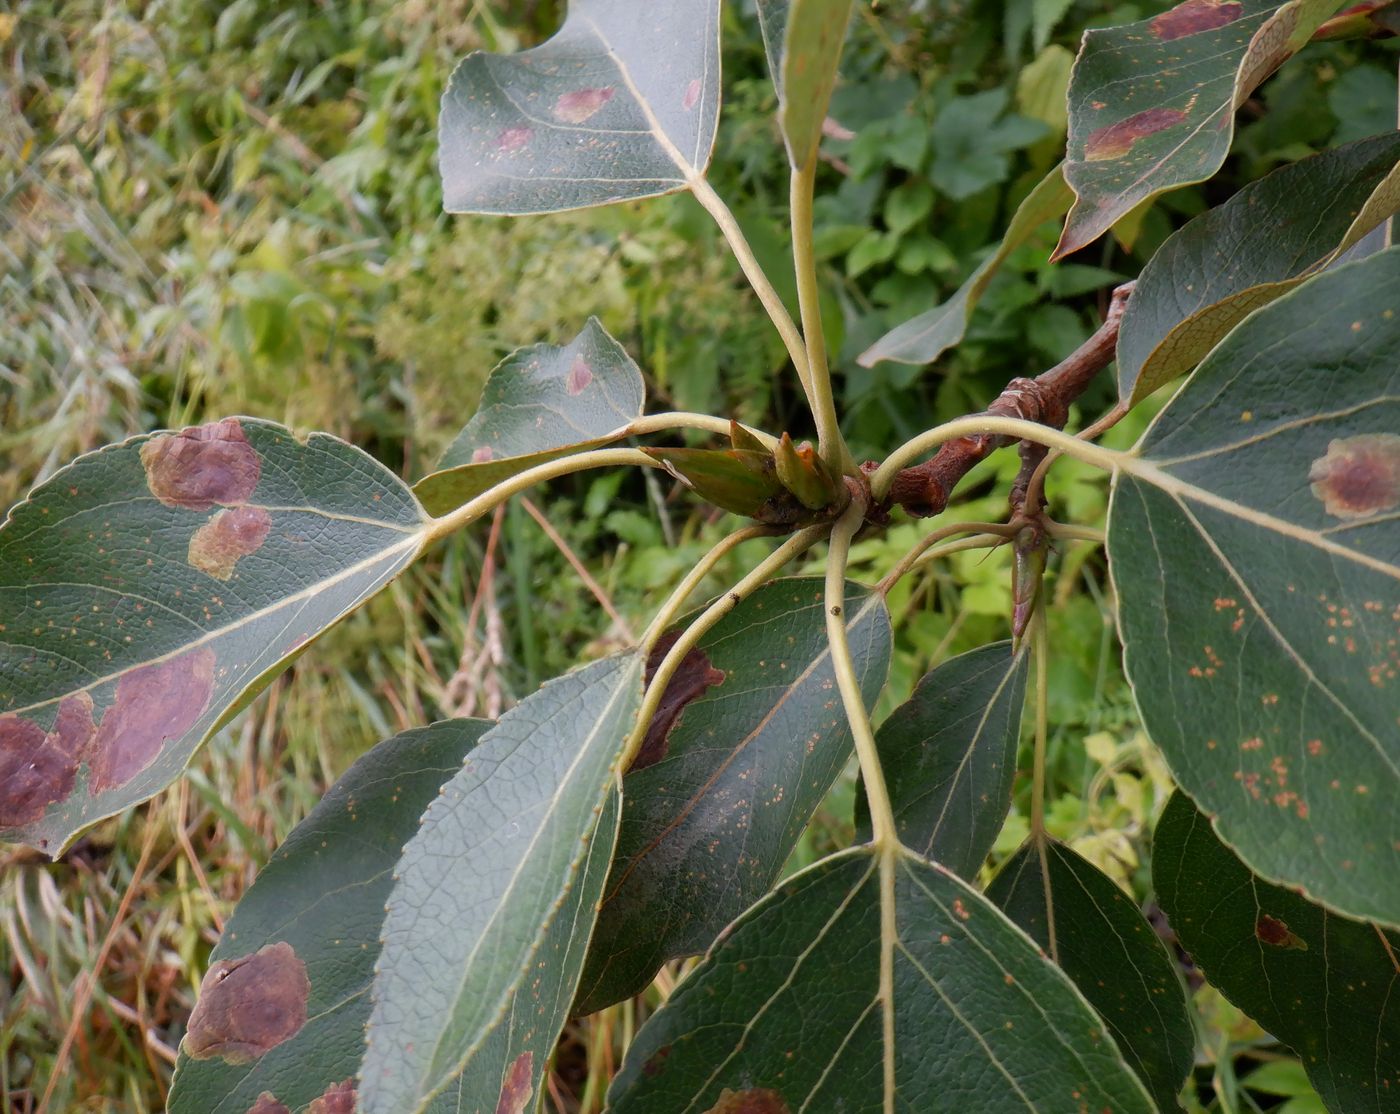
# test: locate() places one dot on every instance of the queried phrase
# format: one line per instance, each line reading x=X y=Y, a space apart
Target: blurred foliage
x=212 y=209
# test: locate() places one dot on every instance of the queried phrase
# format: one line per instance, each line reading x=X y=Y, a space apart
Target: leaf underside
x=1151 y=104
x=323 y=894
x=924 y=338
x=1254 y=536
x=1232 y=259
x=540 y=403
x=494 y=900
x=620 y=104
x=1104 y=944
x=755 y=754
x=1326 y=985
x=815 y=32
x=785 y=1014
x=949 y=757
x=151 y=588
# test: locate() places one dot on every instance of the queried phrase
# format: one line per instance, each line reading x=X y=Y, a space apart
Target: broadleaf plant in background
x=422 y=940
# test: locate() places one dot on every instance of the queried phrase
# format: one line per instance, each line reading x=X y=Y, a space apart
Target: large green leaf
x=812 y=41
x=1261 y=243
x=924 y=338
x=539 y=403
x=1151 y=104
x=949 y=756
x=322 y=894
x=1324 y=984
x=754 y=751
x=494 y=901
x=1101 y=940
x=620 y=104
x=1254 y=536
x=786 y=1013
x=148 y=590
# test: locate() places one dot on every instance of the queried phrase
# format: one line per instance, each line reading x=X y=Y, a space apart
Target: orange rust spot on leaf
x=1113 y=141
x=576 y=107
x=248 y=1006
x=655 y=1061
x=267 y=1104
x=152 y=705
x=338 y=1098
x=692 y=94
x=217 y=545
x=1195 y=16
x=202 y=467
x=1276 y=934
x=512 y=139
x=580 y=375
x=38 y=767
x=1359 y=476
x=518 y=1085
x=694 y=677
x=759 y=1100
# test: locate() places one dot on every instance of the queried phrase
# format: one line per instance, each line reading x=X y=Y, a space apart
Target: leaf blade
x=1269 y=683
x=816 y=31
x=961 y=972
x=924 y=338
x=497 y=858
x=620 y=104
x=729 y=764
x=540 y=403
x=322 y=893
x=1232 y=259
x=949 y=756
x=252 y=542
x=1101 y=940
x=1250 y=937
x=1152 y=103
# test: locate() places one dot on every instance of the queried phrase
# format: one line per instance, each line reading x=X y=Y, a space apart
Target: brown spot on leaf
x=229 y=535
x=690 y=681
x=482 y=455
x=1276 y=934
x=38 y=767
x=202 y=467
x=1195 y=16
x=656 y=1061
x=518 y=1085
x=338 y=1098
x=692 y=94
x=152 y=705
x=578 y=106
x=760 y=1100
x=1115 y=140
x=248 y=1006
x=267 y=1104
x=580 y=375
x=1359 y=476
x=512 y=139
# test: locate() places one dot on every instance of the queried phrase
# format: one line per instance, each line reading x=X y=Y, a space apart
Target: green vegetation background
x=212 y=209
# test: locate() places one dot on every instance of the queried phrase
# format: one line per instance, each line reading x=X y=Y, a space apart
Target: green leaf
x=620 y=104
x=1101 y=940
x=772 y=25
x=949 y=756
x=924 y=338
x=1231 y=260
x=494 y=901
x=1254 y=536
x=323 y=894
x=1363 y=100
x=150 y=589
x=539 y=403
x=740 y=481
x=1151 y=104
x=971 y=142
x=816 y=30
x=1323 y=984
x=1041 y=88
x=754 y=753
x=786 y=1012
